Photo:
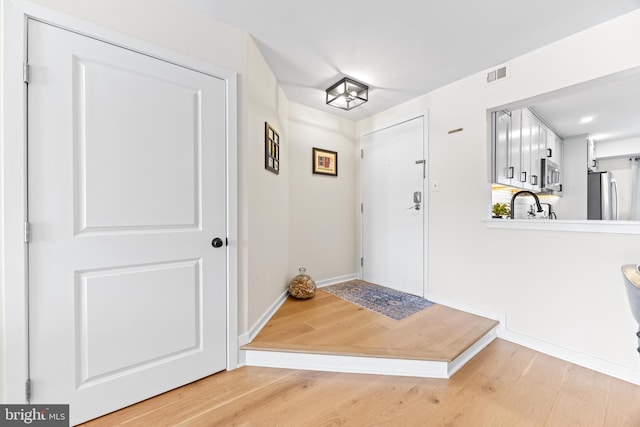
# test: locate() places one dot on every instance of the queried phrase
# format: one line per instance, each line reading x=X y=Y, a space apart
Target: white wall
x=322 y=208
x=620 y=148
x=573 y=298
x=163 y=23
x=267 y=206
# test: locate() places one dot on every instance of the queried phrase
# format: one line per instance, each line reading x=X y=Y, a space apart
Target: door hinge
x=26 y=71
x=27 y=390
x=361 y=207
x=362 y=153
x=361 y=262
x=27 y=232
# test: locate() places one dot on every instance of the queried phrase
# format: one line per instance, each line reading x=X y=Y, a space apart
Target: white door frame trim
x=425 y=193
x=13 y=182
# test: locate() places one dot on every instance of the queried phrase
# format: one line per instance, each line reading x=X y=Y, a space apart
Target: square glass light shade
x=347 y=94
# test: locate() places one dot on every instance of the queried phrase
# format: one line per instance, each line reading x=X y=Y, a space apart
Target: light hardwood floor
x=327 y=324
x=505 y=385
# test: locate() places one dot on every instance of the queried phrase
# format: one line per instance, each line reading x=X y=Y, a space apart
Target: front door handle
x=217 y=242
x=417 y=199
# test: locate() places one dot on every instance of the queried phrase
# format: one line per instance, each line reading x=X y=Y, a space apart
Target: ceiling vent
x=497 y=74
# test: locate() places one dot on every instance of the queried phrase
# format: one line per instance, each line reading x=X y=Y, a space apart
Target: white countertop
x=583 y=226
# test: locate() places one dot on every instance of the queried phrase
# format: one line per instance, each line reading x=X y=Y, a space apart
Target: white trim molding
x=267 y=315
x=347 y=364
x=13 y=288
x=334 y=280
x=262 y=321
x=578 y=226
x=605 y=367
x=575 y=357
x=366 y=364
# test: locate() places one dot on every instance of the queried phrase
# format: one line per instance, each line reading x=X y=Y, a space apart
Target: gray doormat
x=388 y=302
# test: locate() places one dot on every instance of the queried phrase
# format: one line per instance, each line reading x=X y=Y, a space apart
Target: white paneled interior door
x=392 y=229
x=126 y=193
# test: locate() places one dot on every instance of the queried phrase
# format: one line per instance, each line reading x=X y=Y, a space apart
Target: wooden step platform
x=327 y=333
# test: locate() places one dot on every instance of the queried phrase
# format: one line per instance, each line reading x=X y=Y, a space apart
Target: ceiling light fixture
x=347 y=94
x=586 y=119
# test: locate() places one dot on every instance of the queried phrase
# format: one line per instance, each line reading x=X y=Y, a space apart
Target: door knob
x=217 y=242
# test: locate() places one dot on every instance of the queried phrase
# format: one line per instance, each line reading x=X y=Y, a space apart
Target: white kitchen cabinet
x=592 y=165
x=531 y=144
x=520 y=141
x=551 y=153
x=558 y=157
x=553 y=150
x=506 y=153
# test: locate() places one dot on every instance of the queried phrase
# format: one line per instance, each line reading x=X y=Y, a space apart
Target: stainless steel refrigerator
x=602 y=196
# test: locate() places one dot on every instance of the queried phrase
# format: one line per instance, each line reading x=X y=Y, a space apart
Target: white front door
x=393 y=171
x=126 y=159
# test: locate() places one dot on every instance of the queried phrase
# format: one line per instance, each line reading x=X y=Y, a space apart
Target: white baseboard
x=364 y=364
x=255 y=330
x=347 y=364
x=469 y=353
x=249 y=336
x=599 y=365
x=334 y=280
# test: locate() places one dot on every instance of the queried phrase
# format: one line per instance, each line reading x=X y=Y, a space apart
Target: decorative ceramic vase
x=302 y=286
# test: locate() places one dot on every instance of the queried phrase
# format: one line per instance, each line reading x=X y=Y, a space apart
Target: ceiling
x=401 y=48
x=613 y=104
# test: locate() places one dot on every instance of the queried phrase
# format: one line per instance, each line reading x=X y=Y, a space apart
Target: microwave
x=551 y=176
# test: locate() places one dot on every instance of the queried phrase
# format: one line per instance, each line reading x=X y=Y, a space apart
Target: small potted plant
x=500 y=210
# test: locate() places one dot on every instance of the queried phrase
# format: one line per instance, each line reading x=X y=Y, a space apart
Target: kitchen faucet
x=552 y=214
x=513 y=198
